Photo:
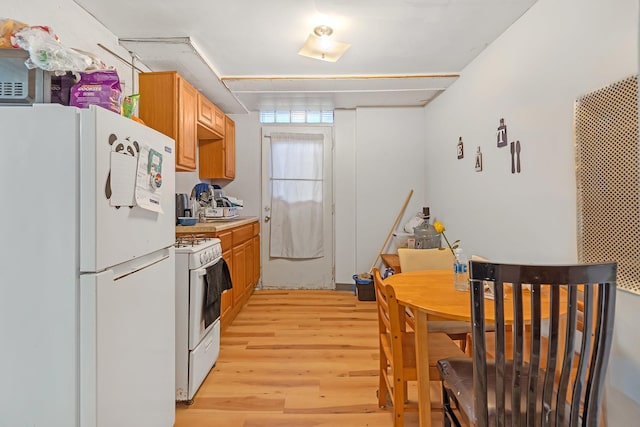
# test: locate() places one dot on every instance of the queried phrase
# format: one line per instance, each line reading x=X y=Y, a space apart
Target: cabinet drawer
x=242 y=234
x=256 y=228
x=226 y=240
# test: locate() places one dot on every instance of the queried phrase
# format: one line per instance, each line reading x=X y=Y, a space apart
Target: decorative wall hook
x=501 y=134
x=478 y=160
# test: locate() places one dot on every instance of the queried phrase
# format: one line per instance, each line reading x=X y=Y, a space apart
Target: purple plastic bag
x=100 y=87
x=61 y=88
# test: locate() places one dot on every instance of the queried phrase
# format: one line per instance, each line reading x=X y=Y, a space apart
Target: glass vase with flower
x=460 y=265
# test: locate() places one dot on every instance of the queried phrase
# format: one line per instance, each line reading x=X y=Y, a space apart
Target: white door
x=127 y=336
x=119 y=158
x=310 y=265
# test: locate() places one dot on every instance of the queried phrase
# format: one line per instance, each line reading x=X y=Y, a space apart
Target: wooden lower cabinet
x=241 y=252
x=239 y=274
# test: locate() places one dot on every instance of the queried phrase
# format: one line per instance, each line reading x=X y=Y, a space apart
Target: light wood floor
x=296 y=359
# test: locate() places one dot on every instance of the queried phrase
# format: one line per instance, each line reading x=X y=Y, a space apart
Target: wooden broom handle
x=393 y=227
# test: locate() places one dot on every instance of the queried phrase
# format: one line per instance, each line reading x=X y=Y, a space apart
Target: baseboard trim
x=345 y=287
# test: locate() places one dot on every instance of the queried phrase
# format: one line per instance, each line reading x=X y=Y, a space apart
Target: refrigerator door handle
x=132 y=267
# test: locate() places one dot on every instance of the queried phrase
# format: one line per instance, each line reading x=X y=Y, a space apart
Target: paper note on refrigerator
x=123 y=179
x=149 y=179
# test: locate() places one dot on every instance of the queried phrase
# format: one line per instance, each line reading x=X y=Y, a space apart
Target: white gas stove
x=197 y=342
x=199 y=249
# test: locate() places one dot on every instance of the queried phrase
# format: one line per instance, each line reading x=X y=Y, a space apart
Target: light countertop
x=215 y=226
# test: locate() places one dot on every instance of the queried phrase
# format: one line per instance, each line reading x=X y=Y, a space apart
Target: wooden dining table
x=430 y=294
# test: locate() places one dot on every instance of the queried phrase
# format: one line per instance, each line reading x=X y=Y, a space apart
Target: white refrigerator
x=87 y=299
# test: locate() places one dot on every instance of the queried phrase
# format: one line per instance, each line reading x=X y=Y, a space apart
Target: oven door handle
x=203 y=270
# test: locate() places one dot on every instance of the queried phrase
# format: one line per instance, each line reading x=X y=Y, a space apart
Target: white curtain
x=296 y=195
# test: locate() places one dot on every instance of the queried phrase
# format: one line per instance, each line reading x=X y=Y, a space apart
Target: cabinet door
x=239 y=273
x=230 y=148
x=206 y=111
x=256 y=259
x=210 y=119
x=219 y=121
x=248 y=258
x=186 y=141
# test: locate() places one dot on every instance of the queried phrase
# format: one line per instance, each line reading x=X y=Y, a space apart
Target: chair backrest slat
x=479 y=353
x=500 y=356
x=602 y=348
x=518 y=356
x=548 y=402
x=562 y=384
x=567 y=357
x=534 y=354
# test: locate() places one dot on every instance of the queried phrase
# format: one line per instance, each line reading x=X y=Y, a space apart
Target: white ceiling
x=243 y=55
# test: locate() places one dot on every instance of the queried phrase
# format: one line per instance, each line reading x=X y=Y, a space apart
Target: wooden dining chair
x=562 y=386
x=425 y=259
x=398 y=352
x=435 y=259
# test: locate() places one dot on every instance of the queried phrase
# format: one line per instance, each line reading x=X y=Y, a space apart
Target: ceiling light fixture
x=320 y=46
x=323 y=31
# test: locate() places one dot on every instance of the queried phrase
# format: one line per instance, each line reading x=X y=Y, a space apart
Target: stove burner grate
x=188 y=240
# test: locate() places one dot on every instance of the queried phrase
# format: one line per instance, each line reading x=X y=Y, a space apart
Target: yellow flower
x=440 y=229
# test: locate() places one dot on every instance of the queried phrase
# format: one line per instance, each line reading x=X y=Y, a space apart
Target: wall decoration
x=607 y=177
x=512 y=148
x=518 y=156
x=502 y=134
x=478 y=160
x=460 y=149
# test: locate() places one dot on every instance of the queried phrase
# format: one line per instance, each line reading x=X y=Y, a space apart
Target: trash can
x=365 y=288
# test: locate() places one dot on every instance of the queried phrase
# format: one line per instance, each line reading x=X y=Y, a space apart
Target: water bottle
x=460 y=272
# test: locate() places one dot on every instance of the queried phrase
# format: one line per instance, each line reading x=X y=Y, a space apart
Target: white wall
x=76 y=29
x=531 y=76
x=344 y=184
x=390 y=148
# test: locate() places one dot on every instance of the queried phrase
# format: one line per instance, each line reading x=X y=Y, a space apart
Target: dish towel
x=216 y=281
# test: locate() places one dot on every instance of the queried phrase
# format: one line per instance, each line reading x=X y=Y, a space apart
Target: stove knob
x=202 y=258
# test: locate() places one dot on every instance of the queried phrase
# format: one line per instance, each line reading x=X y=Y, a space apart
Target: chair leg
x=382 y=383
x=399 y=400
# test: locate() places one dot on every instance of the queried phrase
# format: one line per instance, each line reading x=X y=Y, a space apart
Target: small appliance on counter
x=213 y=204
x=183 y=209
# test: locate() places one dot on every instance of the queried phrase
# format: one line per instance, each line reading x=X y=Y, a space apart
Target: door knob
x=267 y=218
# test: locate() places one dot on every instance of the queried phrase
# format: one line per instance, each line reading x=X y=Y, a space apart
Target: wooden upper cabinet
x=230 y=148
x=187 y=138
x=218 y=156
x=210 y=119
x=168 y=104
